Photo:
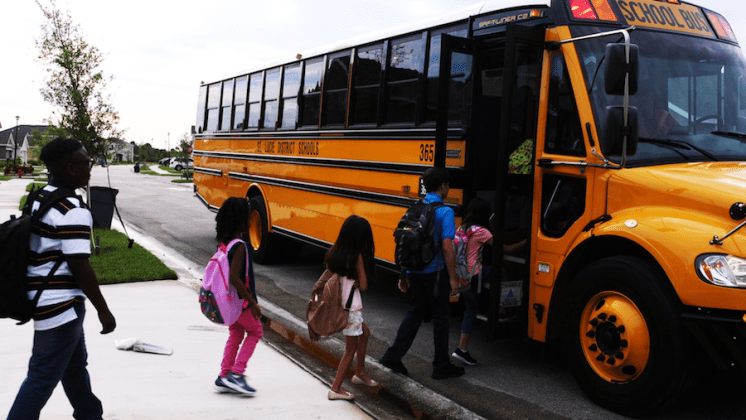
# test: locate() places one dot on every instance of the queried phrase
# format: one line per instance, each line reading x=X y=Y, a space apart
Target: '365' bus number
x=427 y=153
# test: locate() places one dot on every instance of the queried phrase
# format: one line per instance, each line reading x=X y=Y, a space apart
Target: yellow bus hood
x=709 y=188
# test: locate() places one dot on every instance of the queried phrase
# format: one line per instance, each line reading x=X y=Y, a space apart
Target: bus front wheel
x=623 y=337
x=264 y=246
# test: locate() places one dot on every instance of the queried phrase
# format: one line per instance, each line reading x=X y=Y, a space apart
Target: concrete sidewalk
x=146 y=386
x=10 y=196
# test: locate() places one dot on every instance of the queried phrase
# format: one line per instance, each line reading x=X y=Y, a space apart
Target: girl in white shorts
x=351 y=258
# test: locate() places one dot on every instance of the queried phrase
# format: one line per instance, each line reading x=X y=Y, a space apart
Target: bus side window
x=311 y=94
x=213 y=107
x=405 y=68
x=336 y=83
x=368 y=69
x=433 y=70
x=239 y=103
x=256 y=83
x=201 y=109
x=564 y=133
x=290 y=88
x=225 y=119
x=271 y=98
x=562 y=203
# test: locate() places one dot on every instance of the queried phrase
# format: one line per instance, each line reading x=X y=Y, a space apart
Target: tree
x=185 y=146
x=38 y=140
x=75 y=85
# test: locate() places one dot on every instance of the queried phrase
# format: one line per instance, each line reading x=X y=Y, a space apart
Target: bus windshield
x=691 y=96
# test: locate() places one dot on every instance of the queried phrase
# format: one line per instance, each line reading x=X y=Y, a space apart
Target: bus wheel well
x=591 y=250
x=252 y=192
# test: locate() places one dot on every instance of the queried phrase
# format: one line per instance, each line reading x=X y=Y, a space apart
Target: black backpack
x=415 y=244
x=14 y=254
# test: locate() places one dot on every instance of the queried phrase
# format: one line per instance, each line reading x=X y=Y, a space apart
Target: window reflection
x=271 y=96
x=433 y=69
x=335 y=85
x=225 y=122
x=256 y=82
x=213 y=107
x=239 y=103
x=405 y=66
x=290 y=88
x=369 y=66
x=312 y=91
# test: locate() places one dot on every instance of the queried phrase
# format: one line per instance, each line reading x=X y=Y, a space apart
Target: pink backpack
x=218 y=300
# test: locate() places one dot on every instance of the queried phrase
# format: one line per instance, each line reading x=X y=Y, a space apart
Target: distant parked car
x=180 y=163
x=165 y=161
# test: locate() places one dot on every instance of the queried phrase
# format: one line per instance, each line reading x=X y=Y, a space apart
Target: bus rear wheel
x=265 y=247
x=623 y=337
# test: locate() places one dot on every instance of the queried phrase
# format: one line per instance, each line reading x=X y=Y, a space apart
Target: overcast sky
x=159 y=51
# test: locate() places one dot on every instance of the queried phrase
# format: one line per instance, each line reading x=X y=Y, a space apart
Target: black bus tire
x=623 y=337
x=264 y=246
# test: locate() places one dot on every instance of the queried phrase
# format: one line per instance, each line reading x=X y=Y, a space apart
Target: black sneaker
x=397 y=367
x=464 y=356
x=238 y=383
x=221 y=387
x=449 y=371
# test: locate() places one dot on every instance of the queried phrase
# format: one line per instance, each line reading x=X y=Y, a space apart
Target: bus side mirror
x=614 y=131
x=617 y=68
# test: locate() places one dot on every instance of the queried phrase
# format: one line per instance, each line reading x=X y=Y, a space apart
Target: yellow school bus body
x=313 y=215
x=661 y=217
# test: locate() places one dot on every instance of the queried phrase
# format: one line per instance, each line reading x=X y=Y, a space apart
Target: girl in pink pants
x=232 y=221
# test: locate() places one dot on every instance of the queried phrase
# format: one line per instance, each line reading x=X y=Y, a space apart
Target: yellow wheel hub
x=614 y=337
x=255 y=229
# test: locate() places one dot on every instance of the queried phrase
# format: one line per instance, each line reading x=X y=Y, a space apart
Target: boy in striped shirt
x=60 y=241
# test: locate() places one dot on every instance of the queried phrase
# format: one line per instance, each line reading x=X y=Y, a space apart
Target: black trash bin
x=102 y=206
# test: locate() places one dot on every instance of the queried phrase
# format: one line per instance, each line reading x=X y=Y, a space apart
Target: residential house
x=8 y=141
x=121 y=151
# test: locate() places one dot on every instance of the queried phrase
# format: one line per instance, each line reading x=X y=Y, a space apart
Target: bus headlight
x=722 y=270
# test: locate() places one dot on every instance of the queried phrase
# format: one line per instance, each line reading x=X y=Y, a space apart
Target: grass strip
x=116 y=263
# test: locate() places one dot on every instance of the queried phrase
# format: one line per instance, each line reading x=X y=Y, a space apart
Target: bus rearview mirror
x=617 y=67
x=614 y=131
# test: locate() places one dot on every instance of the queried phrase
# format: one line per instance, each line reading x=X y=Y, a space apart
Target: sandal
x=369 y=383
x=344 y=395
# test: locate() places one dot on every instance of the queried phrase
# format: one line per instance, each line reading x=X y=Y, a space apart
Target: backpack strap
x=228 y=248
x=348 y=305
x=468 y=233
x=46 y=203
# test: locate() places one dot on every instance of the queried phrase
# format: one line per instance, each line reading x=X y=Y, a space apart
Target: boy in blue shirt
x=433 y=285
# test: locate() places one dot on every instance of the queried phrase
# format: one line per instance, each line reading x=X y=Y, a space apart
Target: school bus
x=608 y=135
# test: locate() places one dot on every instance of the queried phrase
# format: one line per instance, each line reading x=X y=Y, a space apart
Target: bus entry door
x=524 y=47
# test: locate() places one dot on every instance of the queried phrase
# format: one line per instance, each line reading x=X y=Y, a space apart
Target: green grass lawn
x=116 y=263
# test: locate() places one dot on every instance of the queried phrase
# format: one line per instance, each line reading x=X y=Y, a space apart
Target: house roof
x=23 y=131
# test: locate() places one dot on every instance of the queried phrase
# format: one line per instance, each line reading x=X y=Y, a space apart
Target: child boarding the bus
x=232 y=222
x=351 y=258
x=475 y=226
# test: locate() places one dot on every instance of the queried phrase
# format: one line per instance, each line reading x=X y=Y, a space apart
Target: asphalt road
x=515 y=379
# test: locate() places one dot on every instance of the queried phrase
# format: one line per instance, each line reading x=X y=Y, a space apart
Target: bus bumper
x=721 y=335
